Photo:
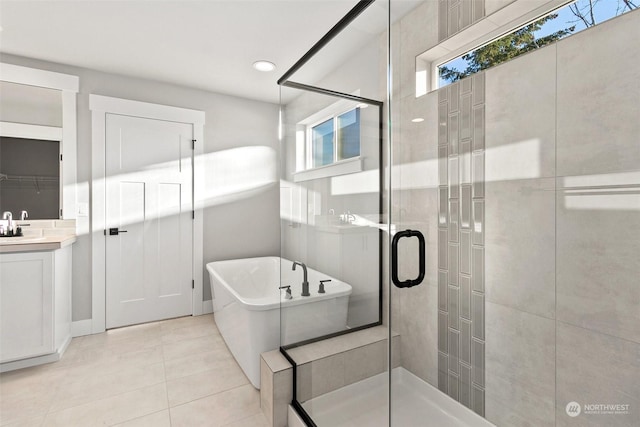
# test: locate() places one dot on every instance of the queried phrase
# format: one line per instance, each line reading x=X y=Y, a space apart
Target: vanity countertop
x=31 y=243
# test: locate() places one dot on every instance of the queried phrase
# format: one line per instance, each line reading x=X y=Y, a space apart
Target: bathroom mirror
x=38 y=140
x=30 y=177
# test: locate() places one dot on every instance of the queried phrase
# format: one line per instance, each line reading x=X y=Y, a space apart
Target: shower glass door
x=519 y=163
x=334 y=225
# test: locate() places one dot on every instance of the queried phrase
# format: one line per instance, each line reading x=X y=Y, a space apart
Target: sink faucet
x=8 y=216
x=305 y=282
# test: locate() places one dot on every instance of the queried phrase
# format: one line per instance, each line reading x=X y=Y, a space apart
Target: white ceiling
x=205 y=44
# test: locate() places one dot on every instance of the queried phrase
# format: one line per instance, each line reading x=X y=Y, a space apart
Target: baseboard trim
x=207 y=307
x=38 y=360
x=80 y=328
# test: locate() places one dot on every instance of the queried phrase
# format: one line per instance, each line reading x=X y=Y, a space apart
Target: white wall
x=240 y=225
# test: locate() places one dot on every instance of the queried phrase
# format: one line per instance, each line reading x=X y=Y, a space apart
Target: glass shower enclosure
x=461 y=243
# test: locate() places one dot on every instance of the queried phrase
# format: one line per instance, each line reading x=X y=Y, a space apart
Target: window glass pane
x=570 y=19
x=322 y=140
x=349 y=134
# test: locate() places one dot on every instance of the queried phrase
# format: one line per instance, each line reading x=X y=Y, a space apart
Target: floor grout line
x=212 y=394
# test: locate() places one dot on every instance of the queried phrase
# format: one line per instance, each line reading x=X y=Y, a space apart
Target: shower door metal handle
x=394 y=258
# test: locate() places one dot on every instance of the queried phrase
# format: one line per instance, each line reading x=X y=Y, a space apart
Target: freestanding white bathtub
x=253 y=315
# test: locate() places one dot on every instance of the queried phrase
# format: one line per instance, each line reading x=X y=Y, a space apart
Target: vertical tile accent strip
x=453 y=386
x=454 y=318
x=443 y=19
x=466 y=13
x=443 y=245
x=478 y=222
x=461 y=300
x=465 y=162
x=477 y=268
x=478 y=175
x=453 y=133
x=456 y=15
x=442 y=381
x=443 y=117
x=465 y=252
x=453 y=264
x=454 y=179
x=477 y=315
x=442 y=165
x=465 y=207
x=477 y=400
x=443 y=202
x=465 y=117
x=465 y=342
x=453 y=220
x=477 y=362
x=464 y=388
x=443 y=282
x=465 y=297
x=454 y=364
x=454 y=19
x=442 y=332
x=478 y=127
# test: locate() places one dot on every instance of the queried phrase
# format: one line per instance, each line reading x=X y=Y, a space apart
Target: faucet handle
x=288 y=294
x=24 y=215
x=321 y=288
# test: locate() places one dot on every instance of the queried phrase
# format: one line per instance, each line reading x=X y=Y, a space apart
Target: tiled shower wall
x=461 y=241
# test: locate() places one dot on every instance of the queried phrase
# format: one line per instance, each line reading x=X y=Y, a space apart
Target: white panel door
x=149 y=222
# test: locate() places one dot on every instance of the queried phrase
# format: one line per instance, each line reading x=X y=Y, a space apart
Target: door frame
x=100 y=106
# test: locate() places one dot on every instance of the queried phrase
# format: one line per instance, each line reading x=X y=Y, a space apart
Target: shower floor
x=415 y=403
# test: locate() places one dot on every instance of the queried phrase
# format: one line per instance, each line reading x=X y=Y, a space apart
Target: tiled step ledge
x=322 y=367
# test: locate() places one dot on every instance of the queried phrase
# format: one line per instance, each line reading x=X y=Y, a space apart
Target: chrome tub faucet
x=305 y=282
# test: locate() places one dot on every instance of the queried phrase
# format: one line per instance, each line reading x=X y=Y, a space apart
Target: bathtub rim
x=258 y=304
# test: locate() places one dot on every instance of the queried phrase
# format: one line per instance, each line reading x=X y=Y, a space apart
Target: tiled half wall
x=461 y=297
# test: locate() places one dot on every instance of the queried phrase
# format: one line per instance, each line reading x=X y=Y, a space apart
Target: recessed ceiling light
x=417 y=120
x=265 y=66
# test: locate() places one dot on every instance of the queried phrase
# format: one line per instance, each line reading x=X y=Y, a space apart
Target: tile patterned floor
x=176 y=372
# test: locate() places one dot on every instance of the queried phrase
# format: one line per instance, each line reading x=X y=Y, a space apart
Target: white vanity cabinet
x=35 y=306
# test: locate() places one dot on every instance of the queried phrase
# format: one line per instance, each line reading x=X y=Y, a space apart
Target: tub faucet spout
x=305 y=282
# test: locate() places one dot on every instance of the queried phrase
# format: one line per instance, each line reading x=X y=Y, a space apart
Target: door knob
x=116 y=231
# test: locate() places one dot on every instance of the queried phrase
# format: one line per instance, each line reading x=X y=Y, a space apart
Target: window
x=565 y=21
x=335 y=139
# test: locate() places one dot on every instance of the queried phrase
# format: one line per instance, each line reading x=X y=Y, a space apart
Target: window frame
x=309 y=146
x=492 y=27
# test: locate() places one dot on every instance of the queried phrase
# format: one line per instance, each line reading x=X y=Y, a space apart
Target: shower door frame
x=360 y=7
x=283 y=349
